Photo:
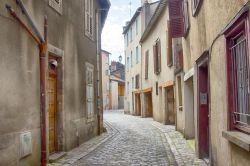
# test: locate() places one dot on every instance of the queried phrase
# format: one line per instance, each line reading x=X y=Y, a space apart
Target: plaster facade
x=105 y=79
x=159 y=31
x=206 y=33
x=20 y=85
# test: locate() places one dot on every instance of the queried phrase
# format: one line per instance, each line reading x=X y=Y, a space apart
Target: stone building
x=117 y=85
x=157 y=94
x=51 y=107
x=212 y=85
x=105 y=79
x=132 y=32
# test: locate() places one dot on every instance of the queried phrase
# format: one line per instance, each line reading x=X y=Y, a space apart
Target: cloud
x=112 y=37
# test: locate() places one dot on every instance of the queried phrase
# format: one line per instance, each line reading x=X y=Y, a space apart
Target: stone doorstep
x=56 y=156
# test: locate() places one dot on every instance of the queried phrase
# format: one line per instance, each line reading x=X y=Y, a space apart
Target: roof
x=115 y=78
x=106 y=52
x=160 y=8
x=138 y=11
x=105 y=5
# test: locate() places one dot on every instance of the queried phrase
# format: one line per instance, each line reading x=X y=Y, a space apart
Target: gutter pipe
x=32 y=24
x=42 y=44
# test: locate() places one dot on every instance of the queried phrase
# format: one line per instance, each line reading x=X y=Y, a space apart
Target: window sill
x=238 y=138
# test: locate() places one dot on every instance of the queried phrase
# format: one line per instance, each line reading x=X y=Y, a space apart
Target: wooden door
x=203 y=112
x=170 y=106
x=150 y=104
x=52 y=93
x=90 y=90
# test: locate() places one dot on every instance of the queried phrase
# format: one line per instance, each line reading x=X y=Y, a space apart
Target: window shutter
x=159 y=56
x=146 y=65
x=155 y=64
x=169 y=51
x=176 y=18
x=186 y=20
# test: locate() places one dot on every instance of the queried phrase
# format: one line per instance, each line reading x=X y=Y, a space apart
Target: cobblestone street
x=133 y=141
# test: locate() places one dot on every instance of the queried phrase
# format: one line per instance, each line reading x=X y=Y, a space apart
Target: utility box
x=25 y=144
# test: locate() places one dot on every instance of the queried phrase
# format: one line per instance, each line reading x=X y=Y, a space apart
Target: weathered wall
x=131 y=72
x=19 y=70
x=159 y=31
x=204 y=29
x=114 y=91
x=105 y=80
x=19 y=86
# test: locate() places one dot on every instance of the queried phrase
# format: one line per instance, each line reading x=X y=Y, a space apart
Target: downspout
x=98 y=75
x=42 y=44
x=33 y=26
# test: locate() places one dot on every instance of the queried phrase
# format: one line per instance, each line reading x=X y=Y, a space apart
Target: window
x=169 y=46
x=90 y=90
x=137 y=55
x=127 y=63
x=156 y=88
x=195 y=6
x=137 y=28
x=137 y=81
x=133 y=84
x=131 y=58
x=56 y=4
x=127 y=38
x=179 y=21
x=157 y=57
x=89 y=29
x=146 y=64
x=131 y=34
x=238 y=74
x=127 y=87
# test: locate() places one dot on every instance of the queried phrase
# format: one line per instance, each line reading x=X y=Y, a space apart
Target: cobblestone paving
x=138 y=143
x=133 y=141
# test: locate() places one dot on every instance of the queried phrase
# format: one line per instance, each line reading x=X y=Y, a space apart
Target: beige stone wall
x=212 y=17
x=159 y=31
x=20 y=84
x=105 y=80
x=131 y=72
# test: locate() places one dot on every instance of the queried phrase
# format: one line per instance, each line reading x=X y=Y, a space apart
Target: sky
x=112 y=38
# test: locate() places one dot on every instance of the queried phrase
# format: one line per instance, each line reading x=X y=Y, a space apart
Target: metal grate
x=240 y=71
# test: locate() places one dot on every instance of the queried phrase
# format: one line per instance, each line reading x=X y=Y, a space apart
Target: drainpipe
x=33 y=26
x=42 y=60
x=42 y=44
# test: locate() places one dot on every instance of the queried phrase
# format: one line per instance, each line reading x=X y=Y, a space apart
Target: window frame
x=89 y=25
x=137 y=81
x=146 y=64
x=137 y=54
x=131 y=58
x=157 y=57
x=241 y=25
x=179 y=18
x=169 y=46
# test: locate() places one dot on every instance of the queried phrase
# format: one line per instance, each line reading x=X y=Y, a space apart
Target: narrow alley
x=133 y=140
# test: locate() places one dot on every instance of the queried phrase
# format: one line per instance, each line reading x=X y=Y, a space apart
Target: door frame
x=201 y=61
x=58 y=55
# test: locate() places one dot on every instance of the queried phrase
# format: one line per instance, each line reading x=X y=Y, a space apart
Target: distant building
x=132 y=32
x=117 y=85
x=105 y=79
